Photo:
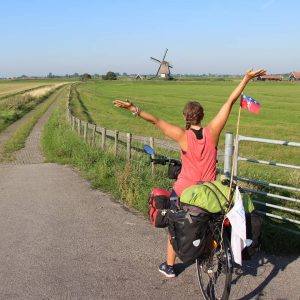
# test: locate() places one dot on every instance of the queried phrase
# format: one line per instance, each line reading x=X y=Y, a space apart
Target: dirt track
x=62 y=240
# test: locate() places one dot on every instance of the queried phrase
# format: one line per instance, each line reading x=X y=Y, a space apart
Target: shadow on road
x=260 y=270
x=180 y=267
x=252 y=280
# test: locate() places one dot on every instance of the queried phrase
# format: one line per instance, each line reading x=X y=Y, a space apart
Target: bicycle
x=214 y=267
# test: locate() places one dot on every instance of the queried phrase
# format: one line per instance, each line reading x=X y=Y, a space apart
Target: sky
x=203 y=36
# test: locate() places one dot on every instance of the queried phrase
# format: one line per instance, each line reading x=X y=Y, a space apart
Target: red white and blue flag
x=250 y=104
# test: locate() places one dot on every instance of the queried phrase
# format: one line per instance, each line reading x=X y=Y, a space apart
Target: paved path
x=31 y=153
x=8 y=132
x=62 y=240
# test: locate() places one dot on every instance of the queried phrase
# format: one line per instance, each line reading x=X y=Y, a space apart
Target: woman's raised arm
x=217 y=124
x=172 y=131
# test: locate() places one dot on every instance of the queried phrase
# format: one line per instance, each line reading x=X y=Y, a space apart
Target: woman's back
x=198 y=161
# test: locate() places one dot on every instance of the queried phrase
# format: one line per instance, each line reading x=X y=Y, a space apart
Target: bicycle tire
x=214 y=270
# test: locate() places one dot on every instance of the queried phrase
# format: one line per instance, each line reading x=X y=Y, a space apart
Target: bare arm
x=172 y=131
x=217 y=124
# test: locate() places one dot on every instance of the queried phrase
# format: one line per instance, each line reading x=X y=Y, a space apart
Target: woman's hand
x=217 y=124
x=123 y=104
x=250 y=74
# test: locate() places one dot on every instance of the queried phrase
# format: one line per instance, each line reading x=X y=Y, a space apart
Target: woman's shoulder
x=207 y=134
x=207 y=131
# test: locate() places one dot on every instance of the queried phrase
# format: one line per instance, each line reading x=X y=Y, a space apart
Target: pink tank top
x=198 y=162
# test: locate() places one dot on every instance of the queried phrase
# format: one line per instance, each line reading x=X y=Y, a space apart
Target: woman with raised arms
x=198 y=145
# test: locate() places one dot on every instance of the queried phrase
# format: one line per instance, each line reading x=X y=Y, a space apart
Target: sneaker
x=168 y=271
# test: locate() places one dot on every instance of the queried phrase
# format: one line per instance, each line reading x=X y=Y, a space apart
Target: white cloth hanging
x=237 y=220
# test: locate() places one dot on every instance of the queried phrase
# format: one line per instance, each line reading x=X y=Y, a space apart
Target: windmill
x=164 y=67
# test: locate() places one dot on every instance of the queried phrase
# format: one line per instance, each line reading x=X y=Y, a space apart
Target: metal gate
x=294 y=208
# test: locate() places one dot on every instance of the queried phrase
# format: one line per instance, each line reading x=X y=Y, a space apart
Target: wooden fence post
x=116 y=142
x=93 y=135
x=85 y=128
x=151 y=142
x=129 y=136
x=79 y=126
x=103 y=137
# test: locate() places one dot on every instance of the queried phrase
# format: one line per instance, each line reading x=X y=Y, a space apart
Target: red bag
x=159 y=202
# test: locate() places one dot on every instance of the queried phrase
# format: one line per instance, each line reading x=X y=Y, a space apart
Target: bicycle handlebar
x=161 y=160
x=165 y=160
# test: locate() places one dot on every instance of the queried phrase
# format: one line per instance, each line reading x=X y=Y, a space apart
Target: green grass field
x=279 y=117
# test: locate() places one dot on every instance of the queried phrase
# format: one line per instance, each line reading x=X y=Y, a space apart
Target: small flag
x=237 y=220
x=250 y=104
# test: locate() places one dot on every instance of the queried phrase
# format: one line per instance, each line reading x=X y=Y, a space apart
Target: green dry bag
x=212 y=197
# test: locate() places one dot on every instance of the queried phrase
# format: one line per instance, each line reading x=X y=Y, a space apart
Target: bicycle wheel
x=214 y=270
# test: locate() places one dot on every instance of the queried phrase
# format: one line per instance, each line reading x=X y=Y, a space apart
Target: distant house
x=294 y=76
x=270 y=77
x=140 y=77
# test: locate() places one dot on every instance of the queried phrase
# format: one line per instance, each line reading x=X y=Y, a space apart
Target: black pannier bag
x=254 y=224
x=174 y=170
x=188 y=233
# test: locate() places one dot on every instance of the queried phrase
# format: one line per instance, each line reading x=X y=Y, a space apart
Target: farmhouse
x=294 y=76
x=270 y=77
x=140 y=77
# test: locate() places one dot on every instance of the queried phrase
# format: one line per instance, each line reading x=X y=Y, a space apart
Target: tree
x=86 y=76
x=109 y=76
